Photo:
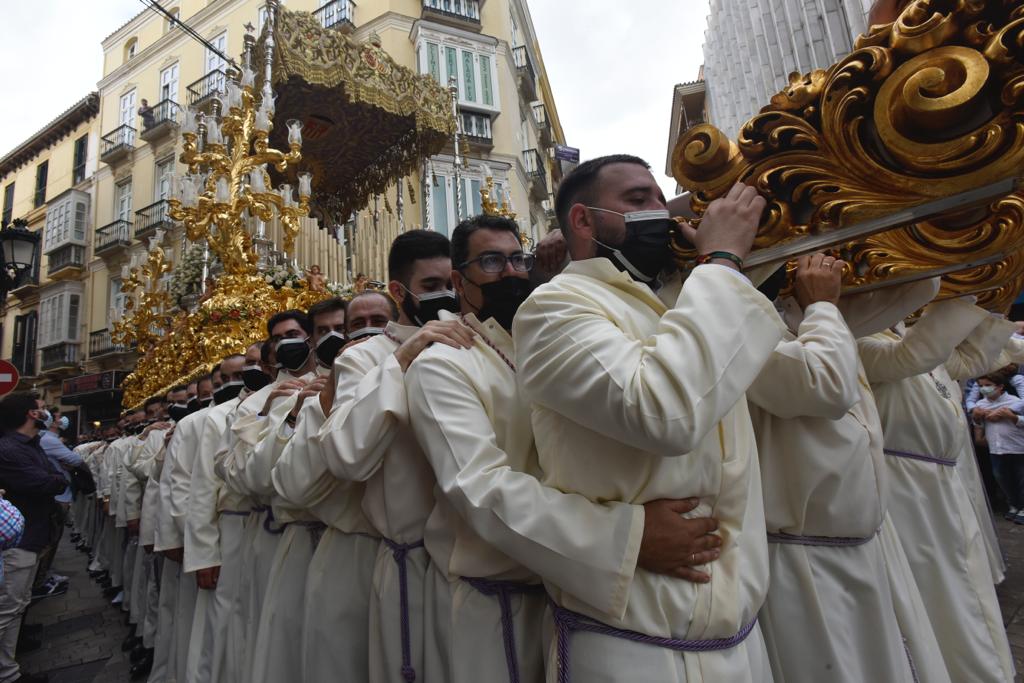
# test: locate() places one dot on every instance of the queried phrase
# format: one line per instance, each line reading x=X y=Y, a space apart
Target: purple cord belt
x=567 y=622
x=922 y=458
x=830 y=541
x=503 y=591
x=269 y=521
x=400 y=551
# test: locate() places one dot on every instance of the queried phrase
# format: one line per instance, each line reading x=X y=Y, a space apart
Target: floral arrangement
x=187 y=276
x=344 y=291
x=217 y=315
x=282 y=275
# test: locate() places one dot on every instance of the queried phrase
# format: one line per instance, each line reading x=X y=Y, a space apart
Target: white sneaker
x=57 y=578
x=118 y=599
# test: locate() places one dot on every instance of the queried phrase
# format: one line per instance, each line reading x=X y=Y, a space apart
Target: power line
x=189 y=31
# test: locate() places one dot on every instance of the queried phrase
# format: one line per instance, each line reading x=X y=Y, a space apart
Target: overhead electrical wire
x=188 y=30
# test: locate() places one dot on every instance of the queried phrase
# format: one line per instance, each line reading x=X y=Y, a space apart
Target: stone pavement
x=81 y=632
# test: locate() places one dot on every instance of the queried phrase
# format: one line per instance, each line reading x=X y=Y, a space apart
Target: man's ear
x=581 y=225
x=396 y=291
x=457 y=282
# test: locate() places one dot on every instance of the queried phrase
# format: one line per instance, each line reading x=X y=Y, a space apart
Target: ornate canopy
x=926 y=107
x=368 y=121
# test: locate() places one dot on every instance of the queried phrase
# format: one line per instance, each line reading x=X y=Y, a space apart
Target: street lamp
x=19 y=253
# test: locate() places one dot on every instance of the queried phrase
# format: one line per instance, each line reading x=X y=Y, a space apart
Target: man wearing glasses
x=495 y=530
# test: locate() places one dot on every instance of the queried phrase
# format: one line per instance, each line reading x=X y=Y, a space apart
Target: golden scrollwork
x=926 y=107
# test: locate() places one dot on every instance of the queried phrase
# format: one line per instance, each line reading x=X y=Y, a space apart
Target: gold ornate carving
x=925 y=107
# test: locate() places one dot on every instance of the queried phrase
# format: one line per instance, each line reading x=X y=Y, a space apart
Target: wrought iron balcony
x=66 y=261
x=154 y=216
x=63 y=356
x=161 y=119
x=337 y=14
x=463 y=13
x=117 y=144
x=26 y=281
x=540 y=115
x=527 y=74
x=111 y=237
x=101 y=344
x=476 y=128
x=201 y=93
x=534 y=165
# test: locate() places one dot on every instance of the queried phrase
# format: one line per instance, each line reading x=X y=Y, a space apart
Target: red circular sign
x=8 y=378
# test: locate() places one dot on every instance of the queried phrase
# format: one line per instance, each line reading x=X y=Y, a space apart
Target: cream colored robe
x=832 y=613
x=338 y=577
x=635 y=401
x=921 y=413
x=368 y=439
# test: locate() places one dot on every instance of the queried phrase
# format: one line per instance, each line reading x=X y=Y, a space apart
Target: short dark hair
x=997 y=378
x=375 y=292
x=266 y=348
x=14 y=409
x=463 y=231
x=204 y=378
x=214 y=370
x=178 y=387
x=331 y=305
x=412 y=246
x=294 y=314
x=578 y=184
x=153 y=400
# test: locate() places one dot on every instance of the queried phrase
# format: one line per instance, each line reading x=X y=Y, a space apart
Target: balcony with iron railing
x=113 y=236
x=117 y=144
x=63 y=356
x=152 y=217
x=201 y=93
x=339 y=14
x=461 y=13
x=26 y=281
x=65 y=262
x=540 y=115
x=160 y=120
x=527 y=74
x=533 y=162
x=101 y=344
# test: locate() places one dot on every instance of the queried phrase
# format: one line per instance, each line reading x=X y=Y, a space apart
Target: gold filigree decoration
x=924 y=108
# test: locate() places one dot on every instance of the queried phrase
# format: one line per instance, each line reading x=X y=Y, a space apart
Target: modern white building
x=751 y=47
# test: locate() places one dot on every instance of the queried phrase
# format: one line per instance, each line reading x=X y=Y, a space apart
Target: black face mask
x=254 y=378
x=228 y=391
x=365 y=332
x=503 y=298
x=178 y=411
x=204 y=402
x=774 y=284
x=429 y=305
x=292 y=354
x=328 y=347
x=644 y=253
x=193 y=404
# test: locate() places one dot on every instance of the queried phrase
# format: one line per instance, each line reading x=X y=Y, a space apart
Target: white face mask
x=366 y=332
x=987 y=391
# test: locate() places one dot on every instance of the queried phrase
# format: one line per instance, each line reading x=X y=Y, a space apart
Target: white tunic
x=921 y=414
x=368 y=439
x=634 y=402
x=833 y=609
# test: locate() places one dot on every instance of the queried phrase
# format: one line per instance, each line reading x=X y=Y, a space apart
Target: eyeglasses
x=494 y=261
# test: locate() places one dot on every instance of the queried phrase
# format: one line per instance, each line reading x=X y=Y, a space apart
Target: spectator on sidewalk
x=63 y=459
x=999 y=415
x=31 y=483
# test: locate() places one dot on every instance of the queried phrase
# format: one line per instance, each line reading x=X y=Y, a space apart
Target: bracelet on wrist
x=723 y=255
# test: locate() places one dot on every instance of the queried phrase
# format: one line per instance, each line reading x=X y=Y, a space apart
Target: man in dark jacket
x=31 y=483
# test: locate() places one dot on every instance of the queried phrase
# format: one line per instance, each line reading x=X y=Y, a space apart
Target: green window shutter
x=434 y=62
x=469 y=75
x=485 y=80
x=452 y=60
x=474 y=195
x=439 y=206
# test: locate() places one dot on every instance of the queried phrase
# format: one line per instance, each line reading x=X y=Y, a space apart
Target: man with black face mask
x=474 y=427
x=367 y=440
x=637 y=384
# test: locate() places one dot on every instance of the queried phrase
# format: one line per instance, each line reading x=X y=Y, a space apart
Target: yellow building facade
x=152 y=69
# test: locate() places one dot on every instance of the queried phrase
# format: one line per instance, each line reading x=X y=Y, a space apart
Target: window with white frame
x=162 y=180
x=58 y=317
x=117 y=302
x=442 y=198
x=123 y=201
x=473 y=68
x=67 y=220
x=169 y=83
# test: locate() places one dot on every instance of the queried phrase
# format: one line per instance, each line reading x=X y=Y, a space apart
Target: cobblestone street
x=82 y=633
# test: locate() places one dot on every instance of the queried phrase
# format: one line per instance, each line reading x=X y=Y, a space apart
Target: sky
x=612 y=65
